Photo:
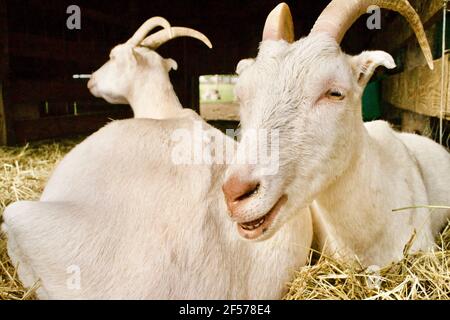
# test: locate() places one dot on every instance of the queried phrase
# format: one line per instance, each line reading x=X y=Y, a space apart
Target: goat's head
x=137 y=60
x=309 y=93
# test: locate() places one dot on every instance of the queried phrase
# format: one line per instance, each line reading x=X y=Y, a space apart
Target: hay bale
x=25 y=170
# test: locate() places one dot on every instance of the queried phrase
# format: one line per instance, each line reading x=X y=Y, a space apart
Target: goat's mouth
x=254 y=229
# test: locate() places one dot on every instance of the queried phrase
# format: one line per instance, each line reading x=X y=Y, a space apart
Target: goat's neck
x=355 y=212
x=154 y=100
x=350 y=209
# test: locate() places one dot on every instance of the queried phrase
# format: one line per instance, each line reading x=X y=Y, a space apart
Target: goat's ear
x=365 y=64
x=170 y=64
x=244 y=64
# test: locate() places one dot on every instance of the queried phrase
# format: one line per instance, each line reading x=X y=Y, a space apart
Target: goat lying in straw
x=119 y=219
x=352 y=175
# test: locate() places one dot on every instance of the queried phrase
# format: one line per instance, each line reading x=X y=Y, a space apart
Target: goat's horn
x=157 y=39
x=279 y=24
x=148 y=26
x=340 y=15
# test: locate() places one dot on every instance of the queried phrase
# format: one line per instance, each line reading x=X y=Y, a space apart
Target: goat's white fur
x=139 y=77
x=352 y=175
x=136 y=225
x=139 y=227
x=135 y=74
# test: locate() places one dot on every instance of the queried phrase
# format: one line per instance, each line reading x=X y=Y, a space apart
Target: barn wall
x=415 y=88
x=39 y=54
x=3 y=69
x=41 y=100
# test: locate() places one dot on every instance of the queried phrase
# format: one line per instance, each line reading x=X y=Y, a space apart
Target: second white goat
x=137 y=75
x=353 y=175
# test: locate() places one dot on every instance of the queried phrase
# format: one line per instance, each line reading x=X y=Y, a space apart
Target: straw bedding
x=24 y=171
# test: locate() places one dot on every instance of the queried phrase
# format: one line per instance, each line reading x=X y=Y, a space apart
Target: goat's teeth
x=250 y=227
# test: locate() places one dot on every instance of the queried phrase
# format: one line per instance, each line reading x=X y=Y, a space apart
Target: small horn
x=279 y=24
x=340 y=15
x=148 y=26
x=157 y=39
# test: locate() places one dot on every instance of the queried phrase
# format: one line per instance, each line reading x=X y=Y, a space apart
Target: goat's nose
x=91 y=82
x=237 y=190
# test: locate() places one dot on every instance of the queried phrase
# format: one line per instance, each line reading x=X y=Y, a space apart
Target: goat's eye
x=335 y=94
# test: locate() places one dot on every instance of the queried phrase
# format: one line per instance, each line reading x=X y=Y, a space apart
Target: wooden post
x=4 y=64
x=419 y=89
x=416 y=123
x=3 y=137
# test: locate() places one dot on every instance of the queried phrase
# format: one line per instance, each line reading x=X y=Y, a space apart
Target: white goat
x=137 y=75
x=119 y=219
x=351 y=174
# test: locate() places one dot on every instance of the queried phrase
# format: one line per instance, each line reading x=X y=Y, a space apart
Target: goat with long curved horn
x=157 y=39
x=148 y=26
x=351 y=174
x=340 y=15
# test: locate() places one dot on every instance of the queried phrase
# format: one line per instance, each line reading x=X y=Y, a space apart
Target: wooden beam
x=416 y=123
x=419 y=90
x=4 y=67
x=3 y=131
x=219 y=111
x=86 y=11
x=43 y=47
x=57 y=127
x=24 y=91
x=105 y=17
x=4 y=43
x=399 y=31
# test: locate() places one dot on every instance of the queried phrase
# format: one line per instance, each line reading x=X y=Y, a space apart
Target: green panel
x=438 y=38
x=371 y=101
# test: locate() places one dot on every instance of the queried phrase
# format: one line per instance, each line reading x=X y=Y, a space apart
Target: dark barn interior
x=39 y=55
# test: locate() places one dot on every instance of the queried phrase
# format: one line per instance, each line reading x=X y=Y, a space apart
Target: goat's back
x=138 y=226
x=434 y=163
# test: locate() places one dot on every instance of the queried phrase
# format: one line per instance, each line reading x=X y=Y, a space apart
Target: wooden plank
x=57 y=127
x=419 y=90
x=415 y=123
x=26 y=111
x=86 y=12
x=24 y=91
x=3 y=131
x=4 y=67
x=399 y=31
x=219 y=111
x=4 y=43
x=105 y=17
x=57 y=49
